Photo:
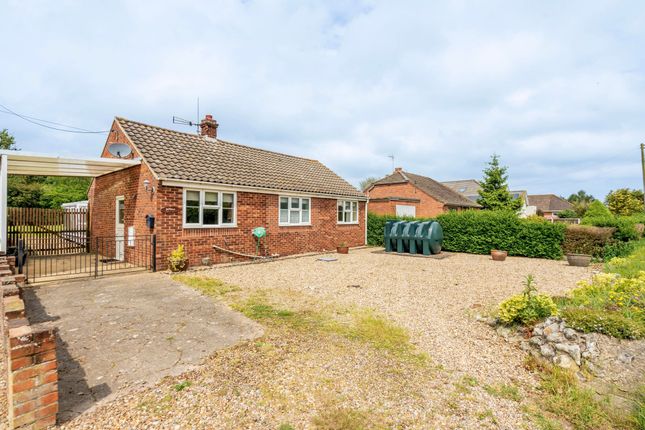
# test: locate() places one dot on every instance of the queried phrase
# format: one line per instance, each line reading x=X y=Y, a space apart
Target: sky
x=557 y=89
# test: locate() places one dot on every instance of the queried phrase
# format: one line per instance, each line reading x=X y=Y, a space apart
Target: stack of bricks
x=30 y=354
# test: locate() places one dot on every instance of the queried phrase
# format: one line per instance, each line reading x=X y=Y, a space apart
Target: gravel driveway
x=310 y=379
x=435 y=299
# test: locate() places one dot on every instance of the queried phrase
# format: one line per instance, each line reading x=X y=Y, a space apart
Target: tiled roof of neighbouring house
x=429 y=186
x=173 y=155
x=470 y=188
x=549 y=202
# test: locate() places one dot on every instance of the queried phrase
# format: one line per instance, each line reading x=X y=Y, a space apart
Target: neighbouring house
x=407 y=194
x=199 y=190
x=470 y=189
x=79 y=205
x=549 y=205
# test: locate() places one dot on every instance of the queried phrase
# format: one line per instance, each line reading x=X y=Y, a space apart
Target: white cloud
x=554 y=88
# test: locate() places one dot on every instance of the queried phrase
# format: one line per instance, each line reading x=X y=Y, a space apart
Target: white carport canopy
x=29 y=163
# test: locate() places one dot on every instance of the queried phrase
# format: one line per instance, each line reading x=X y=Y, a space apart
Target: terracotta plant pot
x=342 y=249
x=579 y=260
x=498 y=255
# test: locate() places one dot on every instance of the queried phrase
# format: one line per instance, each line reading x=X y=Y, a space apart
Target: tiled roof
x=470 y=188
x=429 y=186
x=549 y=202
x=174 y=155
x=467 y=187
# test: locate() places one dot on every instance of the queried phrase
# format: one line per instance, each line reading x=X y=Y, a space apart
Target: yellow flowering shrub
x=528 y=307
x=610 y=304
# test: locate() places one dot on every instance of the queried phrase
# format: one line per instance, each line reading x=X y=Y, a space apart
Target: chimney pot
x=398 y=169
x=208 y=127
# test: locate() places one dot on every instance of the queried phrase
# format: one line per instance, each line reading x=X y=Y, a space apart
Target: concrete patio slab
x=129 y=330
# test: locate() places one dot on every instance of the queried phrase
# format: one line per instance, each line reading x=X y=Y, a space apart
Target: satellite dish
x=119 y=150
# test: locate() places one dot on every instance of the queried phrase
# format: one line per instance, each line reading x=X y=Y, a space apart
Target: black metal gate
x=104 y=255
x=54 y=244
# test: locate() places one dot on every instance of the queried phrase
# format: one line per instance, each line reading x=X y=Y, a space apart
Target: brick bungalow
x=404 y=193
x=204 y=191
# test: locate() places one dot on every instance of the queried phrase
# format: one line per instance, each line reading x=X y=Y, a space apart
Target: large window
x=209 y=208
x=295 y=211
x=347 y=212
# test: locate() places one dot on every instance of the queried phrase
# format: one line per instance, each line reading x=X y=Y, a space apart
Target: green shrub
x=567 y=213
x=583 y=239
x=617 y=248
x=478 y=232
x=625 y=227
x=609 y=304
x=597 y=210
x=600 y=321
x=629 y=266
x=528 y=307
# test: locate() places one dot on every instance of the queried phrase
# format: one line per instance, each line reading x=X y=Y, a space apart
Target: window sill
x=294 y=225
x=193 y=226
x=347 y=223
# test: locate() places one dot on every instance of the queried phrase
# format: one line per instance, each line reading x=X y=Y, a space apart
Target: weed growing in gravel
x=580 y=407
x=361 y=325
x=504 y=391
x=182 y=385
x=639 y=408
x=286 y=427
x=487 y=414
x=208 y=286
x=342 y=418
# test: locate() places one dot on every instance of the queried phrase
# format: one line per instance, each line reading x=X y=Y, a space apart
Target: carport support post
x=4 y=163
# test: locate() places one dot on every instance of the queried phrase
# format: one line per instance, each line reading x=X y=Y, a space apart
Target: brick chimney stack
x=208 y=127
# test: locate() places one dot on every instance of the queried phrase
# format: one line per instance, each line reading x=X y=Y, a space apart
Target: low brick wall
x=30 y=358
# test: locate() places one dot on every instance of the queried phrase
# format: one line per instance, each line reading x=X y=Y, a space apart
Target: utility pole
x=643 y=167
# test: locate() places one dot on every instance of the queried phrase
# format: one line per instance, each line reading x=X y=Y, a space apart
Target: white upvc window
x=347 y=212
x=205 y=208
x=294 y=211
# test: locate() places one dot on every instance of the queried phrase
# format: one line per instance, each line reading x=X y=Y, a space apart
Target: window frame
x=202 y=206
x=351 y=212
x=290 y=208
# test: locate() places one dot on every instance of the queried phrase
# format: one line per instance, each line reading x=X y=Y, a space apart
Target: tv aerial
x=178 y=120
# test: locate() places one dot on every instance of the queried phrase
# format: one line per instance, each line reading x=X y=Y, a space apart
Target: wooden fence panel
x=49 y=231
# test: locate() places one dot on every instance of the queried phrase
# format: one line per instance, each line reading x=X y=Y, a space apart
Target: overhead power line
x=45 y=123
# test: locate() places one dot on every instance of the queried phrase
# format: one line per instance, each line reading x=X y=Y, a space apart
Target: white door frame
x=119 y=230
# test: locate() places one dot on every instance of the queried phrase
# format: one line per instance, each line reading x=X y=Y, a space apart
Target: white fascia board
x=225 y=187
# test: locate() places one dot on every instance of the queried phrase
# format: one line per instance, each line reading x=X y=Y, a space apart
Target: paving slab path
x=122 y=331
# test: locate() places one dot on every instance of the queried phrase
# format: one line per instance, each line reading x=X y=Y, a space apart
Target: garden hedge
x=583 y=239
x=477 y=232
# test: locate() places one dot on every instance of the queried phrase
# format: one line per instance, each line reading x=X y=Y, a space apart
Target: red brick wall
x=427 y=207
x=30 y=358
x=253 y=210
x=137 y=201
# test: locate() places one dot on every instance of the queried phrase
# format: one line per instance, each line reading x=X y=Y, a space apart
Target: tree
x=625 y=201
x=7 y=141
x=41 y=191
x=365 y=183
x=597 y=210
x=494 y=193
x=580 y=202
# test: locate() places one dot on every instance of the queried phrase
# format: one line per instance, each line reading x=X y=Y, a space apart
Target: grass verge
x=579 y=407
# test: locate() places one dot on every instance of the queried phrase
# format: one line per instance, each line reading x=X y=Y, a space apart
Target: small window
x=209 y=208
x=295 y=211
x=347 y=212
x=120 y=211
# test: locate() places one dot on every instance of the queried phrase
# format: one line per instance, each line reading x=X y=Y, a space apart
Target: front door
x=119 y=233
